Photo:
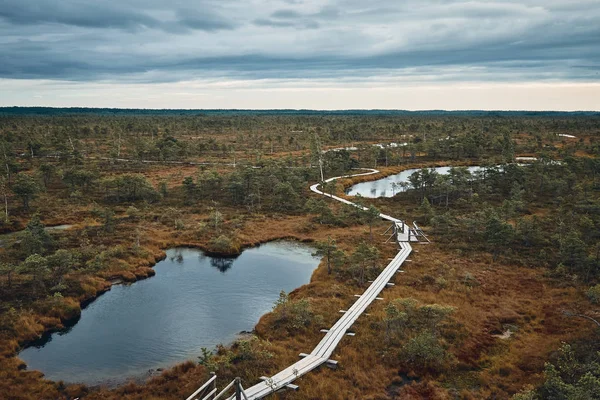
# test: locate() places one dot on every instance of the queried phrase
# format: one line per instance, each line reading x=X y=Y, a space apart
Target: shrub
x=8 y=320
x=441 y=283
x=201 y=229
x=35 y=239
x=426 y=212
x=527 y=393
x=285 y=198
x=417 y=330
x=252 y=349
x=206 y=358
x=593 y=294
x=129 y=187
x=363 y=264
x=224 y=245
x=572 y=377
x=170 y=216
x=26 y=188
x=293 y=314
x=323 y=214
x=425 y=352
x=118 y=251
x=252 y=354
x=133 y=213
x=469 y=280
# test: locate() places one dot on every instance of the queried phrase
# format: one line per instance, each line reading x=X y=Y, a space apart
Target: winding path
x=322 y=353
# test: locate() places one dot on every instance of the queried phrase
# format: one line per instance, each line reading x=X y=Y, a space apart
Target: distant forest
x=132 y=111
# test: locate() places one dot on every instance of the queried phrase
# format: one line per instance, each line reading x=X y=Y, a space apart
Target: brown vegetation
x=507 y=315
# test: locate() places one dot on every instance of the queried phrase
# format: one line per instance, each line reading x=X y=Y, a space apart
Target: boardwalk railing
x=322 y=352
x=208 y=391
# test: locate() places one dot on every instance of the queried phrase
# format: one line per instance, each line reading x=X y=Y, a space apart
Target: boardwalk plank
x=323 y=351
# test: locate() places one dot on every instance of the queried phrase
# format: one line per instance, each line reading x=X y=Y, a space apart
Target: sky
x=314 y=54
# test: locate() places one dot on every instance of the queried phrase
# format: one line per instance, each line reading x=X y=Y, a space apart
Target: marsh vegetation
x=515 y=250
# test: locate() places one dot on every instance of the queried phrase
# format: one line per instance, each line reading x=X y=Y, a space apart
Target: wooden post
x=238 y=389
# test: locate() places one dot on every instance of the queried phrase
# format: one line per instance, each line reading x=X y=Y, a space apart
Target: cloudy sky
x=318 y=54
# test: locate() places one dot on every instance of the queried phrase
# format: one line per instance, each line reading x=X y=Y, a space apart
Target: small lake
x=385 y=187
x=194 y=301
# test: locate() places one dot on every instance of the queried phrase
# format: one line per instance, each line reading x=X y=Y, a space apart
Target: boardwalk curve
x=322 y=352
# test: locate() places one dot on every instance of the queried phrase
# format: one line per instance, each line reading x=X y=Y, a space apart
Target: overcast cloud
x=297 y=43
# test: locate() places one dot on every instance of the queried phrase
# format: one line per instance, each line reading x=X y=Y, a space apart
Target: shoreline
x=69 y=323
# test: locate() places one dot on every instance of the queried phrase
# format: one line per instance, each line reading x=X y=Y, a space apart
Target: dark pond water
x=194 y=301
x=390 y=185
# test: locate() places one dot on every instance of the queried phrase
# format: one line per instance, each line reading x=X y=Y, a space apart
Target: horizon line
x=38 y=107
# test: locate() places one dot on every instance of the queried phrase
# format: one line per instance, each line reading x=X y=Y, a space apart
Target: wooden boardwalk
x=322 y=352
x=404 y=233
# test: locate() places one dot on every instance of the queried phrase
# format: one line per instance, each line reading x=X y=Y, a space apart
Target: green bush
x=129 y=187
x=441 y=282
x=417 y=330
x=293 y=314
x=224 y=245
x=571 y=377
x=593 y=294
x=133 y=213
x=118 y=251
x=424 y=352
x=251 y=353
x=252 y=349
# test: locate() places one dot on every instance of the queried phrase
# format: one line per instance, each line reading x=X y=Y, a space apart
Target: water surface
x=194 y=301
x=390 y=185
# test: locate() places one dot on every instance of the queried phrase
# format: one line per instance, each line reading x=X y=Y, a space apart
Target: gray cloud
x=91 y=14
x=288 y=18
x=204 y=21
x=286 y=14
x=275 y=23
x=136 y=40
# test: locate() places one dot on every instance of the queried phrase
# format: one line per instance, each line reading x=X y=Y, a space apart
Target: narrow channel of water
x=194 y=301
x=390 y=185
